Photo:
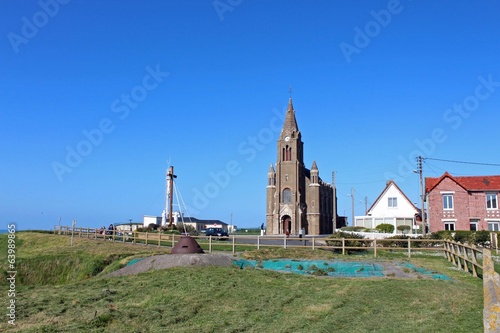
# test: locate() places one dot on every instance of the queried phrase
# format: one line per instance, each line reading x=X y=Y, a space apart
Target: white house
x=392 y=206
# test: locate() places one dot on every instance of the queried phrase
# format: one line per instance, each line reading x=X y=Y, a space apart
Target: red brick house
x=463 y=203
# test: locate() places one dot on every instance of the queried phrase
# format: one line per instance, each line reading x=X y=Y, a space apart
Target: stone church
x=298 y=201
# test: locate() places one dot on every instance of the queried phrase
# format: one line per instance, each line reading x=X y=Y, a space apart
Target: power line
x=462 y=162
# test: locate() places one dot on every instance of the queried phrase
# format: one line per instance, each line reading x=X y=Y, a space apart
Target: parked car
x=217 y=232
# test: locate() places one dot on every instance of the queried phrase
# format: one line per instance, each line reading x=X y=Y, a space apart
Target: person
x=287 y=233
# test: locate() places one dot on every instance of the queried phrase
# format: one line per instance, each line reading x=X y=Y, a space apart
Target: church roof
x=290 y=121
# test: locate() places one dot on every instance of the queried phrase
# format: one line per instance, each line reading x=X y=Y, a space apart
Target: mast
x=170 y=182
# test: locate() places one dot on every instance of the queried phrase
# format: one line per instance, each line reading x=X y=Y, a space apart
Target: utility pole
x=366 y=205
x=422 y=192
x=170 y=178
x=352 y=205
x=334 y=217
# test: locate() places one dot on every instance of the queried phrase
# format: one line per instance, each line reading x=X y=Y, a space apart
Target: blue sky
x=97 y=99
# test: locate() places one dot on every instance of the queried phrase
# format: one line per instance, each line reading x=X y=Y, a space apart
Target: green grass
x=44 y=259
x=229 y=299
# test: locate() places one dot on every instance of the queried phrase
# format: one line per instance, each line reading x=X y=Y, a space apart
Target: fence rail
x=463 y=256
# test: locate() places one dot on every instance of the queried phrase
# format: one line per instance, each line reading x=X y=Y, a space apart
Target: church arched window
x=287 y=153
x=287 y=196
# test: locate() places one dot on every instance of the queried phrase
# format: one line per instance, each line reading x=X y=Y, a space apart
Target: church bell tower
x=286 y=208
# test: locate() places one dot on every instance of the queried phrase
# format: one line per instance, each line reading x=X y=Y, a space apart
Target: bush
x=351 y=240
x=404 y=228
x=385 y=227
x=481 y=237
x=357 y=229
x=464 y=236
x=396 y=241
x=441 y=234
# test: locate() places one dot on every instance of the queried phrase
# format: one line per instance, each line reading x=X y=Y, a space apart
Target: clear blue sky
x=97 y=99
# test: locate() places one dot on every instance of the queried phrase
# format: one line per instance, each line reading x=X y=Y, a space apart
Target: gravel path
x=172 y=260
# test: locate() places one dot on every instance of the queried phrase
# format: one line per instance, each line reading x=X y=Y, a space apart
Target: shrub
x=385 y=227
x=351 y=240
x=481 y=237
x=356 y=228
x=396 y=241
x=404 y=228
x=441 y=234
x=464 y=236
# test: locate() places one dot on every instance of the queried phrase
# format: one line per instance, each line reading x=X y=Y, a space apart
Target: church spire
x=290 y=125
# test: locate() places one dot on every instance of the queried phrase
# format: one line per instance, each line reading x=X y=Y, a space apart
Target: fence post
x=258 y=242
x=494 y=241
x=313 y=244
x=409 y=248
x=491 y=287
x=159 y=238
x=173 y=240
x=474 y=261
x=210 y=244
x=234 y=246
x=146 y=238
x=459 y=254
x=343 y=246
x=375 y=247
x=284 y=242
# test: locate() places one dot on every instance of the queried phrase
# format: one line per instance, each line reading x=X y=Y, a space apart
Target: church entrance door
x=286 y=225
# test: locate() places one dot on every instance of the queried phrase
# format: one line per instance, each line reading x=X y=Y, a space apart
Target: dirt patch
x=172 y=260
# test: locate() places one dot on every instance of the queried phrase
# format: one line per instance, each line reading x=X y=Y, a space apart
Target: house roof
x=468 y=183
x=387 y=186
x=188 y=219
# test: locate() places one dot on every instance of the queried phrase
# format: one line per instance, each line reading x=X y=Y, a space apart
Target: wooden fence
x=465 y=257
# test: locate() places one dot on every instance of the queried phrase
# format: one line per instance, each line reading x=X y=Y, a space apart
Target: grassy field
x=61 y=289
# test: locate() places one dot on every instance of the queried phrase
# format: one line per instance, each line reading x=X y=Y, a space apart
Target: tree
x=403 y=228
x=385 y=227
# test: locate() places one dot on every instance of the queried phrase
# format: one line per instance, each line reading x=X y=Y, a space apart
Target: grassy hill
x=61 y=289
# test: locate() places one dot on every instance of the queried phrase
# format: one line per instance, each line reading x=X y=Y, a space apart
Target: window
x=448 y=225
x=287 y=153
x=491 y=201
x=448 y=201
x=493 y=225
x=474 y=224
x=287 y=196
x=392 y=202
